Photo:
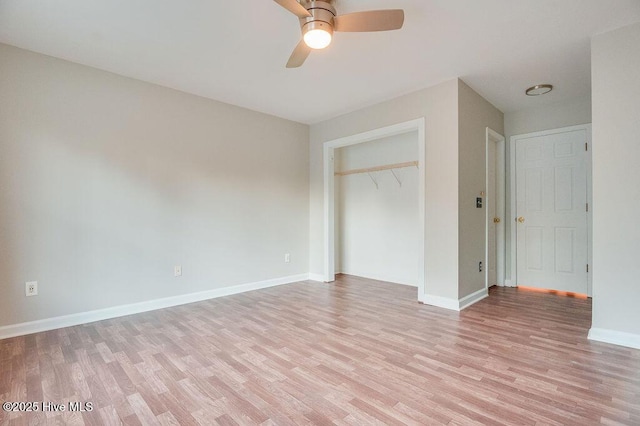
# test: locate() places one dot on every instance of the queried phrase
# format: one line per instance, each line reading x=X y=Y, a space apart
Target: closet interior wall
x=377 y=217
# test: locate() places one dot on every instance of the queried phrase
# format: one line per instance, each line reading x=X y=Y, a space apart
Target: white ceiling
x=235 y=50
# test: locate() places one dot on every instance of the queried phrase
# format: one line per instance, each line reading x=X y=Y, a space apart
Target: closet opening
x=374 y=205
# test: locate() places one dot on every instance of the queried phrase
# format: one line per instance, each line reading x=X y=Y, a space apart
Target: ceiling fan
x=318 y=21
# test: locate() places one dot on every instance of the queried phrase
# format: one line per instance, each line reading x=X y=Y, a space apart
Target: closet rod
x=378 y=168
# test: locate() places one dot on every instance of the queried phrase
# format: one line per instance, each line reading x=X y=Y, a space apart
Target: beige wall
x=565 y=114
x=456 y=118
x=475 y=115
x=439 y=106
x=108 y=182
x=616 y=181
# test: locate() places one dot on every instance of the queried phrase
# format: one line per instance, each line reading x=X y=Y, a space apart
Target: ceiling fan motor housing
x=318 y=21
x=322 y=14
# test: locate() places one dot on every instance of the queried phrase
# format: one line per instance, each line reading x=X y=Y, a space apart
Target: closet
x=376 y=209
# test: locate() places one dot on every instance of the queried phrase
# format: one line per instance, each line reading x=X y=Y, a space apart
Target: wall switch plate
x=31 y=288
x=177 y=271
x=479 y=203
x=287 y=258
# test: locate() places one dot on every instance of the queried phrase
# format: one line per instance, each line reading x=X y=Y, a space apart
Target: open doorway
x=414 y=128
x=495 y=209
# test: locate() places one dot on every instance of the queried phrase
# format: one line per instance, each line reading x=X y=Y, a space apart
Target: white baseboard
x=453 y=304
x=621 y=338
x=441 y=302
x=474 y=297
x=509 y=283
x=136 y=308
x=385 y=279
x=317 y=277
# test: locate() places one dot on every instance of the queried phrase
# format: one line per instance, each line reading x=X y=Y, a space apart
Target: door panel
x=564 y=189
x=533 y=192
x=565 y=241
x=551 y=196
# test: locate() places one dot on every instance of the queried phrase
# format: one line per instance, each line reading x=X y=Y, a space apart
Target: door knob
x=521 y=219
x=496 y=220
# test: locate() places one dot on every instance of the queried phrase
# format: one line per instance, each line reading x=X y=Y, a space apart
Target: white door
x=492 y=215
x=551 y=205
x=495 y=204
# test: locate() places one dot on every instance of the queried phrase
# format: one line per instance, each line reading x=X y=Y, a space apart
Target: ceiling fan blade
x=372 y=20
x=299 y=55
x=294 y=7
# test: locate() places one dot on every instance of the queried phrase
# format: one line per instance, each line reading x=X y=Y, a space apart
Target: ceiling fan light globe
x=317 y=38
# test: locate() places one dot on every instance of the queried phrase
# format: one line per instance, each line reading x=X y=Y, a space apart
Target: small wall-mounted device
x=479 y=266
x=31 y=288
x=479 y=202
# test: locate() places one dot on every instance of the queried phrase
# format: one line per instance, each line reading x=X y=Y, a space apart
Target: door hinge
x=587 y=206
x=586 y=146
x=587 y=267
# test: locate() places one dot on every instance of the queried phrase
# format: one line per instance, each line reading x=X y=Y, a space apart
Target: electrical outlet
x=479 y=266
x=287 y=258
x=177 y=271
x=31 y=288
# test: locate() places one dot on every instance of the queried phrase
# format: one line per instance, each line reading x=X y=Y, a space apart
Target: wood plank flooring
x=356 y=352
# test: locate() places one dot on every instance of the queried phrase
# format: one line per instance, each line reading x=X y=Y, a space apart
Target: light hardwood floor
x=354 y=352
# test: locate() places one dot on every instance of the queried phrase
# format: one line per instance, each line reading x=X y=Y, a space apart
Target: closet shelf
x=378 y=168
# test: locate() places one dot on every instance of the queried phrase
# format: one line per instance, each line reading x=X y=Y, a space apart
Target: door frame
x=512 y=178
x=494 y=137
x=329 y=191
